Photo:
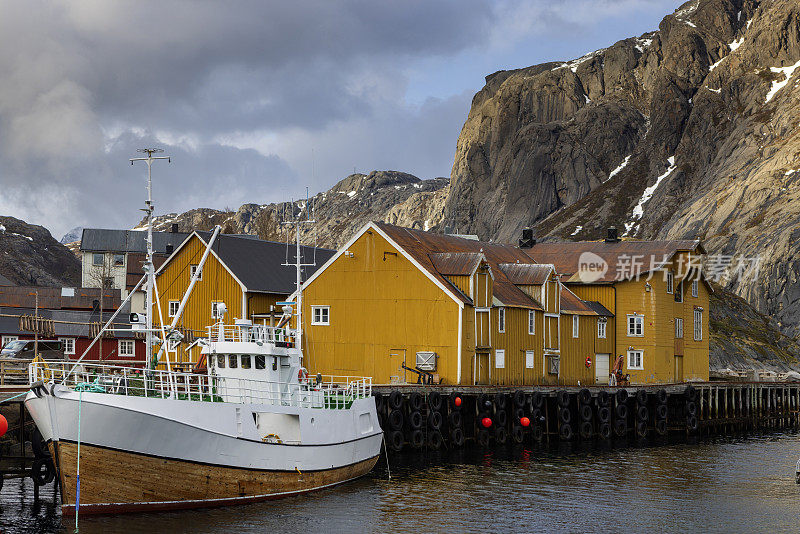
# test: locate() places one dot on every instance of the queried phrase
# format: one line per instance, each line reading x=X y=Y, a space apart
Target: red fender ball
x=457 y=401
x=486 y=422
x=3 y=426
x=524 y=421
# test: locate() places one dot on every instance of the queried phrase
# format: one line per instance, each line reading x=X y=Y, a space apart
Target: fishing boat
x=248 y=423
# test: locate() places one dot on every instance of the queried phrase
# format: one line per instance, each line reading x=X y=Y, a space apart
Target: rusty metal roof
x=456 y=263
x=571 y=258
x=527 y=273
x=421 y=245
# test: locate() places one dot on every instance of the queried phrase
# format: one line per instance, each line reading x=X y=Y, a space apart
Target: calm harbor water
x=725 y=485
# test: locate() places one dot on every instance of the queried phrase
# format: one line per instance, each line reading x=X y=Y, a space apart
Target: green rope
x=91 y=387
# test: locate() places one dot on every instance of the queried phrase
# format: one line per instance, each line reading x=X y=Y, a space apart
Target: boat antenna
x=149 y=269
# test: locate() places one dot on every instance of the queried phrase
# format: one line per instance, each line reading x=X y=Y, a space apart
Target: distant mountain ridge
x=31 y=256
x=390 y=196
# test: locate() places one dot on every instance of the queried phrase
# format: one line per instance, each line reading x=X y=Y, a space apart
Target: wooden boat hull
x=115 y=481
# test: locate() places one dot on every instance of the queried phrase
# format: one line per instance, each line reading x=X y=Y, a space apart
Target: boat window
x=233 y=361
x=221 y=361
x=261 y=362
x=245 y=361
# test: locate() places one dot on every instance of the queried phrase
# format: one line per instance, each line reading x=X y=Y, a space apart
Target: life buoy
x=588 y=361
x=302 y=375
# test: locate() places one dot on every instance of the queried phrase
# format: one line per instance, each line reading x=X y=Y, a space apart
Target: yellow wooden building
x=245 y=273
x=658 y=294
x=467 y=312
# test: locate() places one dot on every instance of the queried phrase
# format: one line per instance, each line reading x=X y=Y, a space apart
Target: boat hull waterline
x=134 y=458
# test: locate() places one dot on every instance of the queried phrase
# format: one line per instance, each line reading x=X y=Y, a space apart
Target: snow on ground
x=733 y=46
x=638 y=210
x=718 y=91
x=2 y=228
x=573 y=65
x=641 y=44
x=21 y=235
x=778 y=85
x=790 y=172
x=618 y=169
x=577 y=229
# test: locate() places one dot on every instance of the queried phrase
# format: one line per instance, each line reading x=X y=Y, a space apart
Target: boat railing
x=336 y=392
x=251 y=333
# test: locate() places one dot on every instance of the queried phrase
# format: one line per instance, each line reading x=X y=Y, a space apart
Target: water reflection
x=722 y=485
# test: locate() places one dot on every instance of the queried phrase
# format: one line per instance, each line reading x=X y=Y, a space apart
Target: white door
x=601 y=369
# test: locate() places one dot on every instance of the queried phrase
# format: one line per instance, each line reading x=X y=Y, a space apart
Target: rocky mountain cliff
x=688 y=131
x=30 y=256
x=390 y=196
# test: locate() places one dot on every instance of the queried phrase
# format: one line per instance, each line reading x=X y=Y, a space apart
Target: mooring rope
x=386 y=450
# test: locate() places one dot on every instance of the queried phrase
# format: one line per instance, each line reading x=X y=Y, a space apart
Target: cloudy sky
x=255 y=100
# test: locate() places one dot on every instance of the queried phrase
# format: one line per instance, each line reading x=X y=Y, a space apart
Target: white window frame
x=531 y=322
x=695 y=288
x=698 y=325
x=173 y=344
x=530 y=359
x=192 y=269
x=602 y=328
x=638 y=319
x=500 y=359
x=679 y=328
x=126 y=343
x=177 y=303
x=214 y=304
x=8 y=339
x=324 y=317
x=670 y=281
x=66 y=340
x=576 y=326
x=114 y=260
x=553 y=361
x=501 y=320
x=630 y=362
x=102 y=259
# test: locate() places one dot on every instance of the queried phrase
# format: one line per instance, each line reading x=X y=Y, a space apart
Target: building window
x=636 y=325
x=601 y=328
x=321 y=315
x=670 y=281
x=531 y=322
x=98 y=260
x=695 y=285
x=501 y=320
x=119 y=260
x=679 y=292
x=553 y=365
x=529 y=359
x=8 y=339
x=193 y=269
x=173 y=308
x=108 y=282
x=635 y=359
x=172 y=345
x=575 y=325
x=126 y=347
x=698 y=325
x=68 y=344
x=679 y=328
x=500 y=358
x=215 y=311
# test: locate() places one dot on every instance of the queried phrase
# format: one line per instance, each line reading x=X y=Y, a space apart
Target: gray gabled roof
x=101 y=240
x=258 y=264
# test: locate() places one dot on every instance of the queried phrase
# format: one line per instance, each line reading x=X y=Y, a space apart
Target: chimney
x=174 y=228
x=527 y=240
x=612 y=235
x=169 y=249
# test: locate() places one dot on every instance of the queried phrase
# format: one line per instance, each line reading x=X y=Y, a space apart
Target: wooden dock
x=420 y=416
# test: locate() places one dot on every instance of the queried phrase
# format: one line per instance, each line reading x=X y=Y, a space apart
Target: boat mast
x=149 y=269
x=298 y=265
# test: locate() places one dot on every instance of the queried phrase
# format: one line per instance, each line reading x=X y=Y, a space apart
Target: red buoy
x=524 y=421
x=3 y=426
x=486 y=422
x=457 y=401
